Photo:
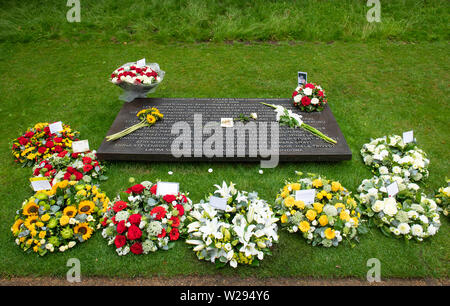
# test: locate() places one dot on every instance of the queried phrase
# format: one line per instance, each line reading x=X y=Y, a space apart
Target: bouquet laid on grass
x=410 y=214
x=58 y=219
x=83 y=167
x=37 y=143
x=332 y=217
x=309 y=98
x=389 y=154
x=141 y=222
x=241 y=234
x=442 y=198
x=147 y=116
x=137 y=81
x=288 y=118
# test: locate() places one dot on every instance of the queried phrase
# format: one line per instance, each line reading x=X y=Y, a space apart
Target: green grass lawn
x=374 y=89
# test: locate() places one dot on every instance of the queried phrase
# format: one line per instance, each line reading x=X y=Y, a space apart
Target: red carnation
x=163 y=234
x=134 y=232
x=136 y=248
x=309 y=85
x=22 y=140
x=75 y=155
x=87 y=168
x=58 y=139
x=175 y=221
x=49 y=144
x=135 y=219
x=120 y=241
x=320 y=93
x=159 y=211
x=36 y=172
x=62 y=154
x=48 y=167
x=137 y=189
x=169 y=198
x=180 y=209
x=104 y=221
x=41 y=150
x=119 y=205
x=183 y=198
x=153 y=189
x=294 y=93
x=121 y=227
x=29 y=134
x=306 y=101
x=87 y=160
x=174 y=234
x=58 y=149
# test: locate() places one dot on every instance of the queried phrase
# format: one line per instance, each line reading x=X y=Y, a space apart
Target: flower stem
x=126 y=131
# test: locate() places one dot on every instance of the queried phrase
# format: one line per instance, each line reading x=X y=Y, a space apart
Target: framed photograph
x=302 y=78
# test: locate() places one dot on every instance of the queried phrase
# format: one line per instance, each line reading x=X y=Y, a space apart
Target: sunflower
x=31 y=209
x=30 y=221
x=151 y=119
x=86 y=207
x=84 y=230
x=16 y=226
x=70 y=211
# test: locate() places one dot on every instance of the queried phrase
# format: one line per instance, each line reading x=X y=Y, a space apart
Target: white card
x=408 y=137
x=40 y=183
x=163 y=188
x=226 y=122
x=307 y=196
x=55 y=127
x=219 y=203
x=80 y=146
x=302 y=78
x=392 y=189
x=140 y=63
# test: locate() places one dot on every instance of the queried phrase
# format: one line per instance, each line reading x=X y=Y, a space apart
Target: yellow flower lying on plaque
x=58 y=219
x=148 y=117
x=329 y=216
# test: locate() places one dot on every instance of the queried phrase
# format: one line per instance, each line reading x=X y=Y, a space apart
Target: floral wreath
x=58 y=219
x=83 y=167
x=309 y=98
x=37 y=143
x=242 y=234
x=410 y=214
x=140 y=221
x=442 y=198
x=390 y=155
x=332 y=217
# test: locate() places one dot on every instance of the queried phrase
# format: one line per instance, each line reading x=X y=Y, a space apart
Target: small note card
x=408 y=137
x=392 y=189
x=140 y=63
x=80 y=146
x=163 y=188
x=307 y=196
x=219 y=203
x=40 y=183
x=55 y=127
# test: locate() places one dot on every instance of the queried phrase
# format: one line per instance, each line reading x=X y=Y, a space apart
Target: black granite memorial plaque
x=191 y=128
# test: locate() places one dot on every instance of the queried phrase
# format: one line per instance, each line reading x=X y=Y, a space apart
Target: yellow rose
x=63 y=184
x=318 y=207
x=304 y=226
x=42 y=234
x=329 y=233
x=329 y=196
x=317 y=183
x=295 y=186
x=289 y=202
x=299 y=204
x=335 y=186
x=284 y=218
x=323 y=220
x=311 y=214
x=319 y=196
x=64 y=220
x=284 y=194
x=45 y=217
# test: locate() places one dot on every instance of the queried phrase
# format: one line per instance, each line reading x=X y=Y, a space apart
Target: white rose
x=396 y=157
x=378 y=206
x=390 y=207
x=297 y=98
x=397 y=170
x=424 y=219
x=307 y=91
x=431 y=230
x=384 y=170
x=368 y=159
x=314 y=101
x=417 y=230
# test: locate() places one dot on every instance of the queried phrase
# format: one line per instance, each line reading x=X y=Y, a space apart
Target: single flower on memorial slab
x=287 y=117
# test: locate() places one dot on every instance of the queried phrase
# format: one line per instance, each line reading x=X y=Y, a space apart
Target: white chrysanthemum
x=417 y=230
x=122 y=216
x=404 y=228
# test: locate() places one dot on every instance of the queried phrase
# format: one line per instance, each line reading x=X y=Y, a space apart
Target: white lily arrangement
x=241 y=234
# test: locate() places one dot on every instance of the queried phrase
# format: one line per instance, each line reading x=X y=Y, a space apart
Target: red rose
x=121 y=227
x=119 y=205
x=87 y=168
x=180 y=209
x=134 y=232
x=120 y=241
x=58 y=149
x=174 y=234
x=47 y=130
x=163 y=234
x=136 y=248
x=135 y=219
x=75 y=155
x=22 y=140
x=309 y=85
x=169 y=198
x=306 y=101
x=62 y=154
x=29 y=134
x=48 y=167
x=153 y=189
x=49 y=144
x=320 y=93
x=42 y=150
x=138 y=188
x=87 y=160
x=294 y=93
x=175 y=221
x=58 y=139
x=36 y=171
x=159 y=211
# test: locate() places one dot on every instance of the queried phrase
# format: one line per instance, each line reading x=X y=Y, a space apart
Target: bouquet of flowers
x=309 y=98
x=37 y=143
x=442 y=198
x=390 y=155
x=333 y=216
x=410 y=214
x=137 y=81
x=288 y=118
x=58 y=219
x=83 y=167
x=141 y=222
x=148 y=117
x=242 y=233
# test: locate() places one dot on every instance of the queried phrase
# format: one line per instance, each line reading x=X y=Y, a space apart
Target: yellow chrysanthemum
x=299 y=204
x=317 y=183
x=351 y=202
x=329 y=233
x=339 y=205
x=31 y=208
x=335 y=186
x=16 y=226
x=318 y=207
x=86 y=207
x=284 y=218
x=323 y=220
x=70 y=211
x=64 y=220
x=304 y=226
x=40 y=125
x=289 y=202
x=344 y=215
x=81 y=192
x=311 y=214
x=356 y=221
x=84 y=230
